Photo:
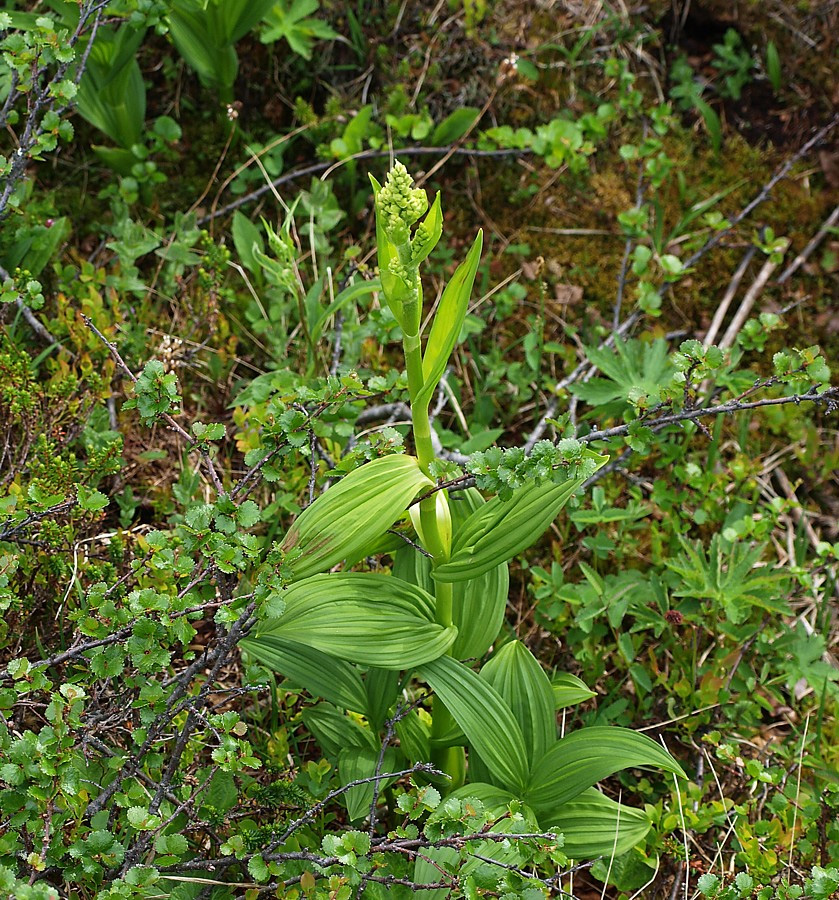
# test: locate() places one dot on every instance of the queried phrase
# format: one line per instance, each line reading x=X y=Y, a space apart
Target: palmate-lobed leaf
x=354 y=513
x=501 y=529
x=486 y=719
x=373 y=620
x=478 y=604
x=732 y=580
x=581 y=759
x=632 y=370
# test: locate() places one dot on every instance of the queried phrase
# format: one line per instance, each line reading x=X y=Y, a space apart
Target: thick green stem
x=449 y=759
x=419 y=411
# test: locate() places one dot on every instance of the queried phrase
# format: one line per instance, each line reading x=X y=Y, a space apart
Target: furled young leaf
x=478 y=604
x=354 y=513
x=514 y=672
x=581 y=759
x=500 y=530
x=355 y=764
x=595 y=825
x=448 y=321
x=373 y=620
x=216 y=64
x=486 y=720
x=315 y=671
x=247 y=238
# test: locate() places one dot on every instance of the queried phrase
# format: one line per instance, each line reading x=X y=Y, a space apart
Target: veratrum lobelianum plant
x=364 y=643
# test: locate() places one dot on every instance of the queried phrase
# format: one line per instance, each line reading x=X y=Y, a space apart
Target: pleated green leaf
x=495 y=799
x=500 y=530
x=315 y=671
x=373 y=620
x=414 y=736
x=381 y=687
x=478 y=605
x=486 y=720
x=354 y=513
x=514 y=672
x=581 y=759
x=569 y=690
x=112 y=95
x=335 y=730
x=354 y=764
x=595 y=825
x=448 y=322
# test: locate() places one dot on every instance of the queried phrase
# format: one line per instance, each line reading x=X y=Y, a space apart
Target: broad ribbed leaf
x=448 y=321
x=374 y=620
x=381 y=687
x=478 y=604
x=414 y=738
x=486 y=720
x=568 y=690
x=112 y=96
x=581 y=759
x=500 y=530
x=354 y=764
x=590 y=823
x=318 y=672
x=215 y=63
x=495 y=799
x=335 y=730
x=514 y=672
x=354 y=513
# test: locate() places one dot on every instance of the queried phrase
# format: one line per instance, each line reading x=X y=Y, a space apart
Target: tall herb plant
x=370 y=644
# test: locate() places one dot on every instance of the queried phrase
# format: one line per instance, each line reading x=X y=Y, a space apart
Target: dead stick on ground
x=722 y=309
x=798 y=262
x=747 y=303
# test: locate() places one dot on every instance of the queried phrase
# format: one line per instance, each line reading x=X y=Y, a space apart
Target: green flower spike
x=398 y=206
